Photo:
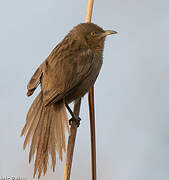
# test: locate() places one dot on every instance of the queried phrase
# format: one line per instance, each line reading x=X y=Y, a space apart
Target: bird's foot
x=76 y=119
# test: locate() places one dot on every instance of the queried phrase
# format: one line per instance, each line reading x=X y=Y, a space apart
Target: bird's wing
x=34 y=81
x=64 y=73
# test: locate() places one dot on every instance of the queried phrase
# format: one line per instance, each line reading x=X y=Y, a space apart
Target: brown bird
x=67 y=74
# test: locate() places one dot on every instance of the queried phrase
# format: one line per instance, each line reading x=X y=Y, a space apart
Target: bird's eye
x=93 y=33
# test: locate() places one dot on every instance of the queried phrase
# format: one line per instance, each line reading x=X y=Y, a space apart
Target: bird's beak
x=108 y=32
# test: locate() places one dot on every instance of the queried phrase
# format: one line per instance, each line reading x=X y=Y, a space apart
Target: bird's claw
x=76 y=119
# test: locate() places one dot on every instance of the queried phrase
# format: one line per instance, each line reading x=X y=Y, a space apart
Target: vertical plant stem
x=73 y=129
x=71 y=142
x=91 y=107
x=92 y=132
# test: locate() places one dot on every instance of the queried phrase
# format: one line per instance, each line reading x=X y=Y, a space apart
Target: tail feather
x=32 y=127
x=52 y=147
x=38 y=135
x=41 y=160
x=30 y=116
x=45 y=127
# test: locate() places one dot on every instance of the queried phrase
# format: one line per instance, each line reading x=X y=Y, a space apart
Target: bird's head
x=92 y=35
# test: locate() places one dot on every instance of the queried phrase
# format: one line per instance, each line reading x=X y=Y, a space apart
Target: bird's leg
x=74 y=117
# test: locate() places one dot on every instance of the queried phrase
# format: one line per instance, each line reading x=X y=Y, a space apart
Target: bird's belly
x=83 y=87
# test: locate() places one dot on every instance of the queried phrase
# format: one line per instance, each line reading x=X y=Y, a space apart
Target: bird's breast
x=83 y=87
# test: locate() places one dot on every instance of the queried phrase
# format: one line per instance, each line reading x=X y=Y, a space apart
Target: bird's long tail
x=45 y=127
